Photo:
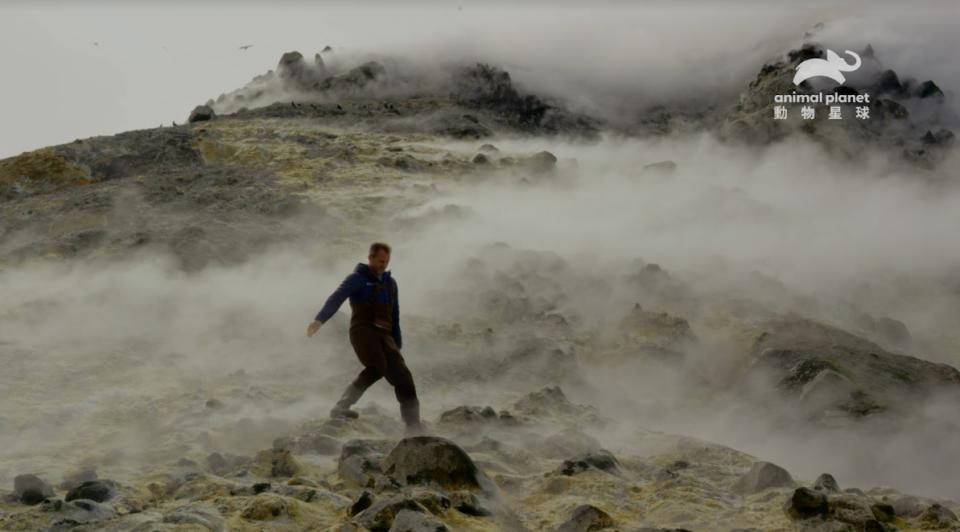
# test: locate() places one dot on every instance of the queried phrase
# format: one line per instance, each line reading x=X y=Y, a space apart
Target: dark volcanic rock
x=805 y=503
x=488 y=87
x=432 y=460
x=201 y=113
x=94 y=490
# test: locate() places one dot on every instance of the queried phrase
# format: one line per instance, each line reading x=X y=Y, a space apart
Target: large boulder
x=938 y=517
x=805 y=503
x=762 y=476
x=94 y=490
x=432 y=460
x=201 y=113
x=31 y=489
x=822 y=368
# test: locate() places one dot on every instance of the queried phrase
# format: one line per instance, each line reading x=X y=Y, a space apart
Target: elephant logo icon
x=832 y=67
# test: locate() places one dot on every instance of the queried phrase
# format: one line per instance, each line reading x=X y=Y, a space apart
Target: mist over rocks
x=627 y=324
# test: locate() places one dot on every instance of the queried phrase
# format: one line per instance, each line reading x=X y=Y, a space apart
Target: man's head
x=379 y=257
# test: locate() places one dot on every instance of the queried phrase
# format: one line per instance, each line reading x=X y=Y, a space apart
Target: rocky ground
x=542 y=413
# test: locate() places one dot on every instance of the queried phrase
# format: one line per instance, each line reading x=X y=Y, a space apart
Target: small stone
x=412 y=521
x=362 y=503
x=586 y=518
x=601 y=459
x=467 y=502
x=481 y=159
x=883 y=512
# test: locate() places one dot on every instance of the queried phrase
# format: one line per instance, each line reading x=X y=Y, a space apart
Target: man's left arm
x=396 y=317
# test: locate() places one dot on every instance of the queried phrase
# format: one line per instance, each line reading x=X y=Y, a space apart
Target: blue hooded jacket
x=357 y=286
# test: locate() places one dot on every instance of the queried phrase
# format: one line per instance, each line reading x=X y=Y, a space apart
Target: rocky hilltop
x=327 y=155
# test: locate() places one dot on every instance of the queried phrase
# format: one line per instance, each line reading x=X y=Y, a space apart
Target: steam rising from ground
x=114 y=364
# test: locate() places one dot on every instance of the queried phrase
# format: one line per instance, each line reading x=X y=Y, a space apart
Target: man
x=374 y=334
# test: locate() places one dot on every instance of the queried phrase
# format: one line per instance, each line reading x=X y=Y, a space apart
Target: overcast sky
x=83 y=68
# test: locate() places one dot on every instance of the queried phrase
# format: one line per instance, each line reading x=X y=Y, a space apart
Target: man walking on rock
x=374 y=334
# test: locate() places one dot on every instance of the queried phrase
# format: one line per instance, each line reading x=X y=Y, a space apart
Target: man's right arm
x=345 y=290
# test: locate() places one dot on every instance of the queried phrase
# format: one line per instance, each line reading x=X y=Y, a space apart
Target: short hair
x=377 y=246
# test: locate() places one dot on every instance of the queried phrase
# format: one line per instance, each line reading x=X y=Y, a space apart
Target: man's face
x=379 y=261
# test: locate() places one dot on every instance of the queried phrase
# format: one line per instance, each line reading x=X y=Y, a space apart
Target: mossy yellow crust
x=44 y=165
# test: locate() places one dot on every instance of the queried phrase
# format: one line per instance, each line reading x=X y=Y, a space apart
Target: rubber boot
x=342 y=409
x=410 y=412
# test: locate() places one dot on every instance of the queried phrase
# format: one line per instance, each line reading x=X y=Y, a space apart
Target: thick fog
x=114 y=363
x=119 y=360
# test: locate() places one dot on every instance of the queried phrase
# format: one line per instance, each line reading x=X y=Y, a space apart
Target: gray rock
x=938 y=517
x=432 y=460
x=797 y=351
x=763 y=475
x=200 y=514
x=84 y=511
x=359 y=462
x=826 y=483
x=481 y=159
x=31 y=489
x=381 y=514
x=411 y=521
x=542 y=162
x=585 y=518
x=661 y=167
x=434 y=501
x=850 y=508
x=908 y=506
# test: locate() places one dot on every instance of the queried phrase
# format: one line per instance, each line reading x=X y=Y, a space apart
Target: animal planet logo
x=832 y=67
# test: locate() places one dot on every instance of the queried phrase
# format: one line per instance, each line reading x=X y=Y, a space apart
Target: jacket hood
x=364 y=269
